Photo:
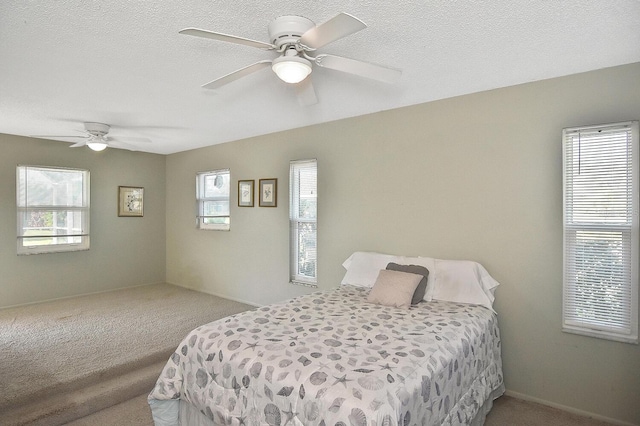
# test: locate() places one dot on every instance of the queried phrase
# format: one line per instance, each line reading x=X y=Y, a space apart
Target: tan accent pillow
x=418 y=295
x=394 y=288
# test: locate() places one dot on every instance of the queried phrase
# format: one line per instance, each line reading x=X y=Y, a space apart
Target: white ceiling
x=123 y=63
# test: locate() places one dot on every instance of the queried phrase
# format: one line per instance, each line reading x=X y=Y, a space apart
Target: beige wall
x=124 y=251
x=474 y=177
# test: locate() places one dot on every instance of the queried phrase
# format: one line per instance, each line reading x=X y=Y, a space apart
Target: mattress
x=332 y=358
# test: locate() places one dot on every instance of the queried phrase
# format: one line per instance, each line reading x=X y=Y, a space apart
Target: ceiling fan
x=295 y=39
x=95 y=137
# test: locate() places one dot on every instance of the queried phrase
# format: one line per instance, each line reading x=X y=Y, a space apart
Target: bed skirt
x=164 y=412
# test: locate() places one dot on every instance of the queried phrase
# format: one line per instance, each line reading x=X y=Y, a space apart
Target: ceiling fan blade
x=361 y=68
x=78 y=144
x=84 y=135
x=57 y=136
x=117 y=143
x=335 y=28
x=242 y=72
x=133 y=139
x=306 y=93
x=226 y=37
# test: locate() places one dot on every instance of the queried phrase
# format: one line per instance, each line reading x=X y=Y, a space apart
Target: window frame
x=580 y=219
x=295 y=221
x=23 y=206
x=201 y=201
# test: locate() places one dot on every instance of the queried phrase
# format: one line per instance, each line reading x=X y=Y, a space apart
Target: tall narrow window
x=53 y=209
x=303 y=218
x=212 y=194
x=601 y=231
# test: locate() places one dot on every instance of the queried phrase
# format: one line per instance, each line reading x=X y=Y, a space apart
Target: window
x=212 y=194
x=52 y=209
x=303 y=219
x=601 y=231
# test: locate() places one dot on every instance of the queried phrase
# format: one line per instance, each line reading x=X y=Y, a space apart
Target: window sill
x=304 y=284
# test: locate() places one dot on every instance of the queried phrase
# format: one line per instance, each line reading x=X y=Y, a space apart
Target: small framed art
x=269 y=192
x=130 y=201
x=245 y=193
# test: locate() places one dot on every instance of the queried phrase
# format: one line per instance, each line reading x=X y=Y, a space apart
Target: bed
x=335 y=358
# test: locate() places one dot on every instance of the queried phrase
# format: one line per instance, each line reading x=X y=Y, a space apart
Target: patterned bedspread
x=331 y=358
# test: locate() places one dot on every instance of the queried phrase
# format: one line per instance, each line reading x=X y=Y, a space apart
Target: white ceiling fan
x=95 y=137
x=295 y=39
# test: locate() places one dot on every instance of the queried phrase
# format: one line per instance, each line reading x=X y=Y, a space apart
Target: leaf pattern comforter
x=332 y=358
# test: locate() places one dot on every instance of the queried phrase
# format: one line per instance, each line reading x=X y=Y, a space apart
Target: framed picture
x=245 y=193
x=130 y=201
x=268 y=192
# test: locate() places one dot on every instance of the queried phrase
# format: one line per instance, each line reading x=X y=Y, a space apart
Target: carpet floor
x=64 y=359
x=507 y=411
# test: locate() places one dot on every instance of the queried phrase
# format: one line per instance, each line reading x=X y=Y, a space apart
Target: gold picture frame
x=246 y=193
x=269 y=192
x=130 y=201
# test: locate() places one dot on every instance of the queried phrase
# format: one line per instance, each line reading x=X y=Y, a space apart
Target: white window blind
x=52 y=209
x=601 y=231
x=303 y=218
x=212 y=195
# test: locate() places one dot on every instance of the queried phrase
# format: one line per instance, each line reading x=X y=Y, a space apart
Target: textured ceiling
x=123 y=62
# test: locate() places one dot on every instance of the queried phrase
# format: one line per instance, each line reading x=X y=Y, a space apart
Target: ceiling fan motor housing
x=288 y=29
x=97 y=129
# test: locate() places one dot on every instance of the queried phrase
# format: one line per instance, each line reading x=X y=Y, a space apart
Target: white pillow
x=460 y=281
x=463 y=281
x=363 y=267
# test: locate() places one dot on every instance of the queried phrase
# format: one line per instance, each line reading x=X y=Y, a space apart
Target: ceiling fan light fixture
x=291 y=69
x=97 y=145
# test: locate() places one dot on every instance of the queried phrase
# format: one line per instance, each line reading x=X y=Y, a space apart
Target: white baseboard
x=20 y=305
x=572 y=410
x=224 y=296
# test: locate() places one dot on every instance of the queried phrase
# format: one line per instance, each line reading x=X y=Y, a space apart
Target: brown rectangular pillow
x=413 y=269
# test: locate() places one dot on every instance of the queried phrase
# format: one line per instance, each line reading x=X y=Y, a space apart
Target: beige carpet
x=516 y=412
x=134 y=412
x=506 y=411
x=70 y=357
